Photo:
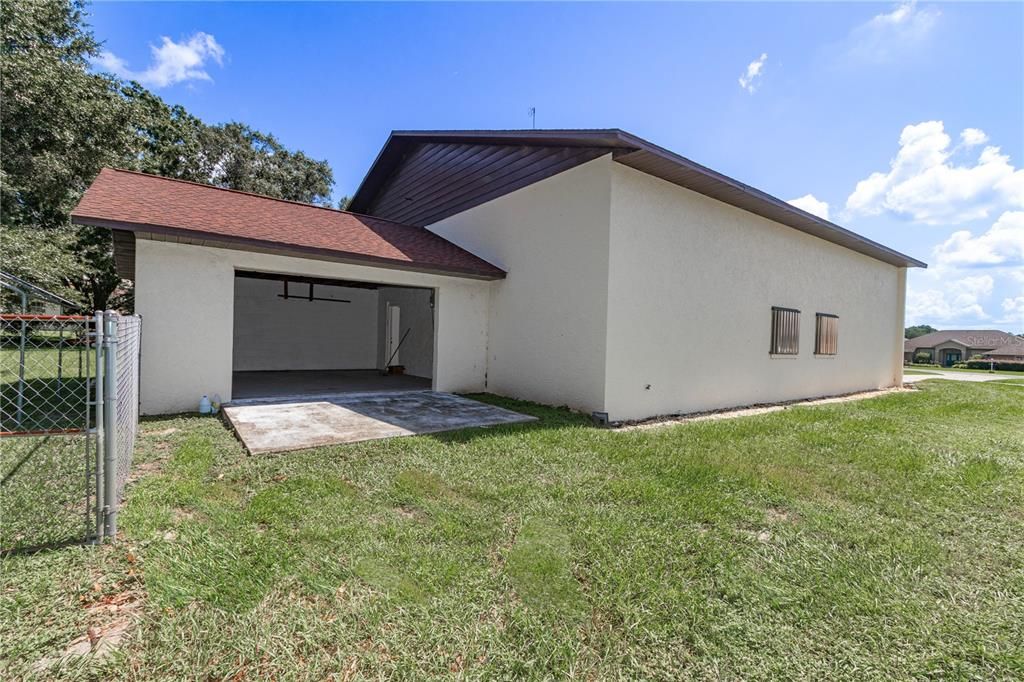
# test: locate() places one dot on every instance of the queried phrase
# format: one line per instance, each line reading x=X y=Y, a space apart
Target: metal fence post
x=98 y=400
x=21 y=361
x=110 y=424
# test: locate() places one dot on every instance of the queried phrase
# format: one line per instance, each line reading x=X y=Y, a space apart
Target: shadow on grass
x=25 y=550
x=45 y=492
x=548 y=418
x=48 y=404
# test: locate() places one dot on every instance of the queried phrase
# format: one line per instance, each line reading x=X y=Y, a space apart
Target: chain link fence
x=126 y=400
x=47 y=364
x=68 y=415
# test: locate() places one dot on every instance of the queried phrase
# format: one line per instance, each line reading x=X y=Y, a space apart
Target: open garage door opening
x=303 y=336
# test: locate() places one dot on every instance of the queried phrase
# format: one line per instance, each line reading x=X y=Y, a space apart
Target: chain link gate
x=69 y=387
x=48 y=444
x=119 y=390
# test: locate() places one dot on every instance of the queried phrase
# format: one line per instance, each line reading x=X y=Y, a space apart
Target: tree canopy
x=61 y=122
x=918 y=330
x=174 y=143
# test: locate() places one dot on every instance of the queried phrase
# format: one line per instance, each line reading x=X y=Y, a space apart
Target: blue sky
x=907 y=120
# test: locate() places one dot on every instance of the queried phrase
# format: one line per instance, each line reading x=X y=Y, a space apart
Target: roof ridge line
x=259 y=196
x=412 y=132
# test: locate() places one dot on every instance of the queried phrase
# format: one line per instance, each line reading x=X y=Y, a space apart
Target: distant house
x=957 y=345
x=1013 y=351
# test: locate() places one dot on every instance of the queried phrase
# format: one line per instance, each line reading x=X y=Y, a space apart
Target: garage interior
x=304 y=336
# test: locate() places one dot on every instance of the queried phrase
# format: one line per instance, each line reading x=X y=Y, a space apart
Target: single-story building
x=951 y=346
x=591 y=269
x=1011 y=352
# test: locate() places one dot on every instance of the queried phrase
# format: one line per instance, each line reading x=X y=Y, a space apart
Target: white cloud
x=924 y=182
x=755 y=71
x=1013 y=305
x=961 y=301
x=811 y=204
x=1002 y=244
x=932 y=307
x=172 y=62
x=980 y=285
x=1013 y=310
x=885 y=37
x=977 y=279
x=109 y=61
x=972 y=137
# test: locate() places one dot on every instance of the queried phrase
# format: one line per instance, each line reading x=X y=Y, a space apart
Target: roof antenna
x=532 y=113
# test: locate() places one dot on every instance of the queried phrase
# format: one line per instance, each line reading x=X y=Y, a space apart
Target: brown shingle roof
x=137 y=202
x=972 y=338
x=1013 y=349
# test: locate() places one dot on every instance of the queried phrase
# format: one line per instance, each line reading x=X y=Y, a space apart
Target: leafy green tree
x=238 y=157
x=168 y=139
x=60 y=123
x=918 y=330
x=174 y=143
x=44 y=257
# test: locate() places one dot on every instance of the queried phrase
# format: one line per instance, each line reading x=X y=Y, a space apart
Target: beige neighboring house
x=571 y=267
x=958 y=345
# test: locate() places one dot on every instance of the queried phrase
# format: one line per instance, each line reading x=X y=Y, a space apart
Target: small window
x=785 y=331
x=826 y=336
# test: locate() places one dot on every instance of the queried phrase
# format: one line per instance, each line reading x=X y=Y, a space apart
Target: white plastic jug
x=204 y=405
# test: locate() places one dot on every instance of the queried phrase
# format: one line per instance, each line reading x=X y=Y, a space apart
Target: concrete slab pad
x=274 y=425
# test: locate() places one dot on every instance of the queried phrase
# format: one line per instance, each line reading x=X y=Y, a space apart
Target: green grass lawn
x=44 y=478
x=53 y=388
x=871 y=539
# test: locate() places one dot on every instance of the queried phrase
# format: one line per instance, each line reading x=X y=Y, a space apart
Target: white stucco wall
x=547 y=319
x=273 y=333
x=616 y=281
x=691 y=286
x=416 y=353
x=185 y=294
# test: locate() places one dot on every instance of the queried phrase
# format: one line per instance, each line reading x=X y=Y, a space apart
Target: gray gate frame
x=108 y=487
x=111 y=428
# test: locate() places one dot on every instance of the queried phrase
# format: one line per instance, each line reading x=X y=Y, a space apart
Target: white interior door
x=393 y=334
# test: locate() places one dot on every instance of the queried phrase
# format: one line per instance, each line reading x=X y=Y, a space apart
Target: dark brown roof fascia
x=398 y=142
x=624 y=145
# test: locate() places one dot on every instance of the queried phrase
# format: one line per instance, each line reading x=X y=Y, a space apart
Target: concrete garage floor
x=320 y=382
x=269 y=425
